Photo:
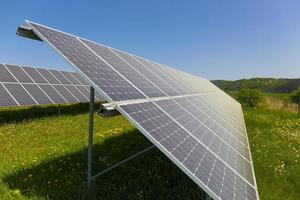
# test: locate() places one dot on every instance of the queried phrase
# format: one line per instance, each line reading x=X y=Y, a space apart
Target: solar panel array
x=199 y=127
x=22 y=86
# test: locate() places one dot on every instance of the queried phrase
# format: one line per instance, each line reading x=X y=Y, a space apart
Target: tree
x=295 y=98
x=250 y=97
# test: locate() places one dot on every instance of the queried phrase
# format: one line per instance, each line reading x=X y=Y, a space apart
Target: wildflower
x=17 y=192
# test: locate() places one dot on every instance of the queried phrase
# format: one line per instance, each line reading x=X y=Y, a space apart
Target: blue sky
x=214 y=39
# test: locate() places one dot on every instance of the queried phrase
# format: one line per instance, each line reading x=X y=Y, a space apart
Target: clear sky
x=214 y=39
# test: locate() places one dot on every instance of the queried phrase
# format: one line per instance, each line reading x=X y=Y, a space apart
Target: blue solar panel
x=195 y=124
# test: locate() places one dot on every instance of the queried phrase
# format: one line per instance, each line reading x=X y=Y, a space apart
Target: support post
x=58 y=109
x=298 y=106
x=90 y=141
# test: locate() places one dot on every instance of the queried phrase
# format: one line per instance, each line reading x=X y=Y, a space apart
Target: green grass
x=45 y=157
x=275 y=145
x=279 y=96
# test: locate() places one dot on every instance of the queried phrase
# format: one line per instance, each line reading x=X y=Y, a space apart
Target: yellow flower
x=17 y=192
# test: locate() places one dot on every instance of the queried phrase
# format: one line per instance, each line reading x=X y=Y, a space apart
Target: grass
x=44 y=157
x=275 y=145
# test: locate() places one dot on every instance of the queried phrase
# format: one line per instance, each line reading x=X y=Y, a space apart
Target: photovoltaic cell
x=37 y=94
x=18 y=72
x=199 y=127
x=66 y=93
x=77 y=93
x=35 y=75
x=48 y=76
x=20 y=94
x=60 y=77
x=71 y=78
x=5 y=98
x=102 y=75
x=39 y=91
x=79 y=78
x=126 y=70
x=160 y=83
x=53 y=94
x=5 y=75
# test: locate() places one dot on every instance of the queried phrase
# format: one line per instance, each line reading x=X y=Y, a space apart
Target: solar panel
x=20 y=85
x=5 y=98
x=195 y=124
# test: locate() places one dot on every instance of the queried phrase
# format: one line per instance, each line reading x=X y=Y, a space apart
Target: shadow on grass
x=149 y=176
x=21 y=114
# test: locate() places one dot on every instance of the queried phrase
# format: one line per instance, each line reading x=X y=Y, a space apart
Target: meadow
x=44 y=156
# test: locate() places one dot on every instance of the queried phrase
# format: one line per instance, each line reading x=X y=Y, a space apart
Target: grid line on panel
x=124 y=69
x=223 y=115
x=181 y=89
x=51 y=79
x=38 y=88
x=49 y=72
x=162 y=76
x=18 y=73
x=156 y=87
x=202 y=123
x=218 y=103
x=20 y=93
x=51 y=85
x=78 y=78
x=60 y=76
x=85 y=62
x=208 y=112
x=70 y=78
x=116 y=71
x=225 y=112
x=5 y=75
x=36 y=84
x=146 y=72
x=205 y=146
x=35 y=75
x=38 y=94
x=170 y=72
x=7 y=99
x=221 y=108
x=209 y=117
x=234 y=168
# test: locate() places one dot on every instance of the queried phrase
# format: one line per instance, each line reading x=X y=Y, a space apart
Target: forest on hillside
x=269 y=85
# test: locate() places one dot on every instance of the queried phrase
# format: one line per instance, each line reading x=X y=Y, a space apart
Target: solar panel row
x=20 y=85
x=199 y=127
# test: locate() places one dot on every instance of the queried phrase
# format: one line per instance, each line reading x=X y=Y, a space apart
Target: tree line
x=252 y=98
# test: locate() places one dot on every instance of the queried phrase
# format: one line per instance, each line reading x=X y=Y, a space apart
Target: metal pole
x=298 y=106
x=90 y=141
x=58 y=109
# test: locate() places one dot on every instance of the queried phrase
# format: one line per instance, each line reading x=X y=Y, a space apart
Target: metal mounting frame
x=90 y=176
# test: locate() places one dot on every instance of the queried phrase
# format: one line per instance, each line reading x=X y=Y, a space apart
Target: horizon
x=209 y=39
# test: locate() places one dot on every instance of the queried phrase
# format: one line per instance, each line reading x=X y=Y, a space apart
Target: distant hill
x=272 y=85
